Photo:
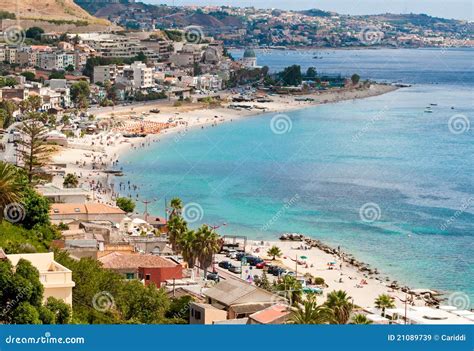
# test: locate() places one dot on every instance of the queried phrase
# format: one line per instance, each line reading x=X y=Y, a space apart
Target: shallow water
x=412 y=170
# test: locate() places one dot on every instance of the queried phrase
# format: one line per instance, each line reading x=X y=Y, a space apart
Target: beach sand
x=109 y=146
x=347 y=278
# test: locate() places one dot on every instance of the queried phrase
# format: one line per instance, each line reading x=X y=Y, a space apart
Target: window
x=197 y=315
x=147 y=276
x=130 y=275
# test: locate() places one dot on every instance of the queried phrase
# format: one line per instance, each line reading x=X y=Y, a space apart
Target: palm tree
x=187 y=245
x=70 y=181
x=384 y=301
x=10 y=187
x=176 y=207
x=339 y=302
x=208 y=243
x=274 y=251
x=311 y=313
x=291 y=287
x=360 y=319
x=177 y=226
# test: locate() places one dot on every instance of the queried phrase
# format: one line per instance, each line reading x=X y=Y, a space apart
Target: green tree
x=274 y=251
x=339 y=302
x=25 y=313
x=71 y=181
x=310 y=313
x=33 y=149
x=176 y=207
x=187 y=246
x=10 y=186
x=177 y=227
x=208 y=243
x=125 y=204
x=291 y=288
x=264 y=283
x=355 y=78
x=80 y=92
x=360 y=319
x=34 y=33
x=291 y=75
x=36 y=209
x=383 y=302
x=8 y=108
x=31 y=104
x=60 y=310
x=311 y=72
x=30 y=76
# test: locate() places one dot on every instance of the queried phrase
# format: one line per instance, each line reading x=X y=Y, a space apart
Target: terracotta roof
x=116 y=260
x=275 y=313
x=89 y=208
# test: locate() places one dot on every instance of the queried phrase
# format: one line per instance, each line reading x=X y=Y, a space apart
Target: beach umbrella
x=303 y=257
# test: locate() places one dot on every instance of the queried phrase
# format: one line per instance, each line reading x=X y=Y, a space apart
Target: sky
x=458 y=9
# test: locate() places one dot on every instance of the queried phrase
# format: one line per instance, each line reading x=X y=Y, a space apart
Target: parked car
x=260 y=265
x=231 y=252
x=213 y=276
x=239 y=256
x=225 y=264
x=232 y=255
x=235 y=269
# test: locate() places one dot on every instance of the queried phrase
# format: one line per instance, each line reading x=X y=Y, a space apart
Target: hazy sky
x=460 y=9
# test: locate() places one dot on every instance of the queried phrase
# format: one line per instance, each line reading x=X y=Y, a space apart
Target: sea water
x=380 y=177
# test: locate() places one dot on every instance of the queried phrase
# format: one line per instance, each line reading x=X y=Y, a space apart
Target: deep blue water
x=316 y=177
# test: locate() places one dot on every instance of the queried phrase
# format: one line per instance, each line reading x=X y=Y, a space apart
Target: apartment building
x=55 y=278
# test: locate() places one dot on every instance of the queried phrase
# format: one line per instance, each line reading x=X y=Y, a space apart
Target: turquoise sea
x=382 y=178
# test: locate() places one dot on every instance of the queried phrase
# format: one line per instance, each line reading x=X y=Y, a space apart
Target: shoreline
x=201 y=117
x=362 y=284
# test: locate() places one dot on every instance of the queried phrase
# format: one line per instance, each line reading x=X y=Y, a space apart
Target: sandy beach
x=364 y=288
x=89 y=156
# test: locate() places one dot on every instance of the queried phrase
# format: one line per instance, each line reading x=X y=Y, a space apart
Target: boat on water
x=428 y=111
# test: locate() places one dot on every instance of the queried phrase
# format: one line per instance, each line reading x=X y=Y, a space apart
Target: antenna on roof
x=146 y=202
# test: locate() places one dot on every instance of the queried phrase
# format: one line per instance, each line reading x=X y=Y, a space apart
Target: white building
x=249 y=59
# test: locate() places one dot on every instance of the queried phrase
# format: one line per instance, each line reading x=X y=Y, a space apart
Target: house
x=204 y=313
x=56 y=279
x=238 y=298
x=63 y=195
x=85 y=212
x=147 y=268
x=276 y=314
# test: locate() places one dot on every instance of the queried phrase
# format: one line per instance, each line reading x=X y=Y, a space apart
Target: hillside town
x=73 y=233
x=276 y=28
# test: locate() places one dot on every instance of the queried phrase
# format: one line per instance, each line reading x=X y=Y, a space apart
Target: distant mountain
x=49 y=10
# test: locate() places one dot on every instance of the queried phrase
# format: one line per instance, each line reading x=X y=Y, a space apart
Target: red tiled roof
x=270 y=314
x=89 y=208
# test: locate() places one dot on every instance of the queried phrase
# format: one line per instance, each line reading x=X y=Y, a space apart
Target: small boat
x=433 y=104
x=428 y=111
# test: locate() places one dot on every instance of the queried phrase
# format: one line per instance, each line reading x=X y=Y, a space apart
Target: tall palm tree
x=10 y=187
x=384 y=301
x=311 y=313
x=177 y=227
x=187 y=245
x=339 y=302
x=360 y=319
x=176 y=206
x=208 y=243
x=291 y=287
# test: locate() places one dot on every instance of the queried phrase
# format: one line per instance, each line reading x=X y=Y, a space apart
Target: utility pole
x=146 y=202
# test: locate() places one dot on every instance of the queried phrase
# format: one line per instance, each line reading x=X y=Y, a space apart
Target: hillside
x=48 y=10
